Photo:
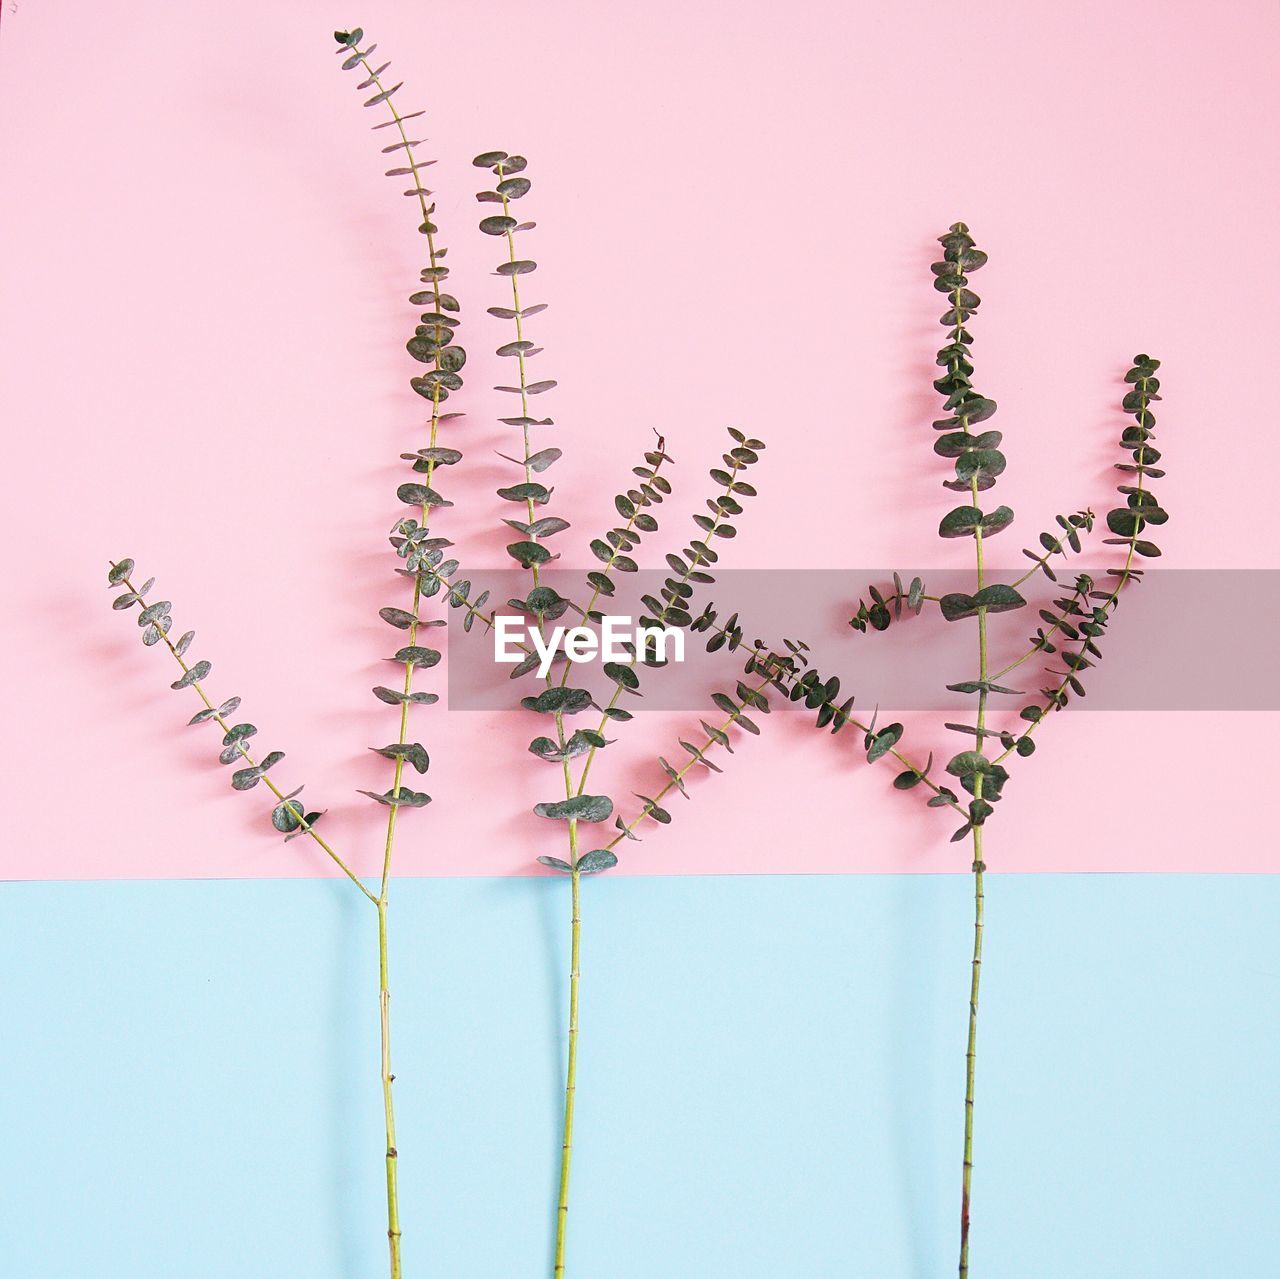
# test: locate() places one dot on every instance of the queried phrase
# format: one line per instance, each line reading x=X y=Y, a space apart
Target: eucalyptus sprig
x=155 y=619
x=885 y=609
x=978 y=462
x=773 y=671
x=1071 y=630
x=559 y=700
x=1077 y=626
x=433 y=344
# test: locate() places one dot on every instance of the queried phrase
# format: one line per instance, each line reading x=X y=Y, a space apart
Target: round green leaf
x=582 y=808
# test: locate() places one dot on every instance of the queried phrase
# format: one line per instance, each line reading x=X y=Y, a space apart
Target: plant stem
x=571 y=1076
x=966 y=1178
x=571 y=1073
x=384 y=1016
x=384 y=1005
x=971 y=1053
x=402 y=737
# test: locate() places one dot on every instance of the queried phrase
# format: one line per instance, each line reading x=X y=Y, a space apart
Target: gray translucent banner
x=1188 y=639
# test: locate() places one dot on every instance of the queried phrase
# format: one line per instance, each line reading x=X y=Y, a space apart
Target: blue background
x=771 y=1078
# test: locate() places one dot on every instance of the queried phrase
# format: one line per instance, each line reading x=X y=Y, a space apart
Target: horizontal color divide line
x=338 y=877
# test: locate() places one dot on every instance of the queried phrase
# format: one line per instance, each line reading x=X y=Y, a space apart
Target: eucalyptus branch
x=561 y=700
x=752 y=696
x=1059 y=621
x=433 y=345
x=977 y=463
x=1130 y=522
x=1068 y=539
x=821 y=695
x=613 y=551
x=1078 y=618
x=690 y=568
x=885 y=609
x=288 y=817
x=543 y=604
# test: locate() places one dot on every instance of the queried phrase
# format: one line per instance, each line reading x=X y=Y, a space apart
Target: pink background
x=203 y=315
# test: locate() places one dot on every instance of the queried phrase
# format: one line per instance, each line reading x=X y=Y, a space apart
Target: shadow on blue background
x=771 y=1078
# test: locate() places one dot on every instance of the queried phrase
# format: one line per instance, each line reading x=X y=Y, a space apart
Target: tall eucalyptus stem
x=571 y=1071
x=432 y=345
x=1072 y=631
x=542 y=603
x=978 y=463
x=971 y=1050
x=975 y=978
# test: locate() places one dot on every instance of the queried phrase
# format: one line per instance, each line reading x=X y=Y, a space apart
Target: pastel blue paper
x=771 y=1078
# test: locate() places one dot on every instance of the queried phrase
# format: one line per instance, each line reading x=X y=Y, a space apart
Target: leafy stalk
x=288 y=817
x=822 y=695
x=1072 y=630
x=772 y=670
x=1060 y=622
x=1060 y=544
x=687 y=569
x=885 y=609
x=542 y=603
x=1130 y=522
x=432 y=345
x=559 y=699
x=571 y=1062
x=978 y=462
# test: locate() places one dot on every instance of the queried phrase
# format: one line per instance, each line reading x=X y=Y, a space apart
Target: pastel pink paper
x=203 y=315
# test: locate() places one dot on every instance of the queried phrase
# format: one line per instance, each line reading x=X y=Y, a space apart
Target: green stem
x=966 y=1179
x=971 y=1052
x=389 y=1114
x=571 y=1074
x=384 y=994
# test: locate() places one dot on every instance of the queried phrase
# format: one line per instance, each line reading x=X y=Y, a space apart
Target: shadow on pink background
x=204 y=279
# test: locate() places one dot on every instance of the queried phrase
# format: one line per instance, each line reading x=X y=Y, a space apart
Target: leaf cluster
x=156 y=622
